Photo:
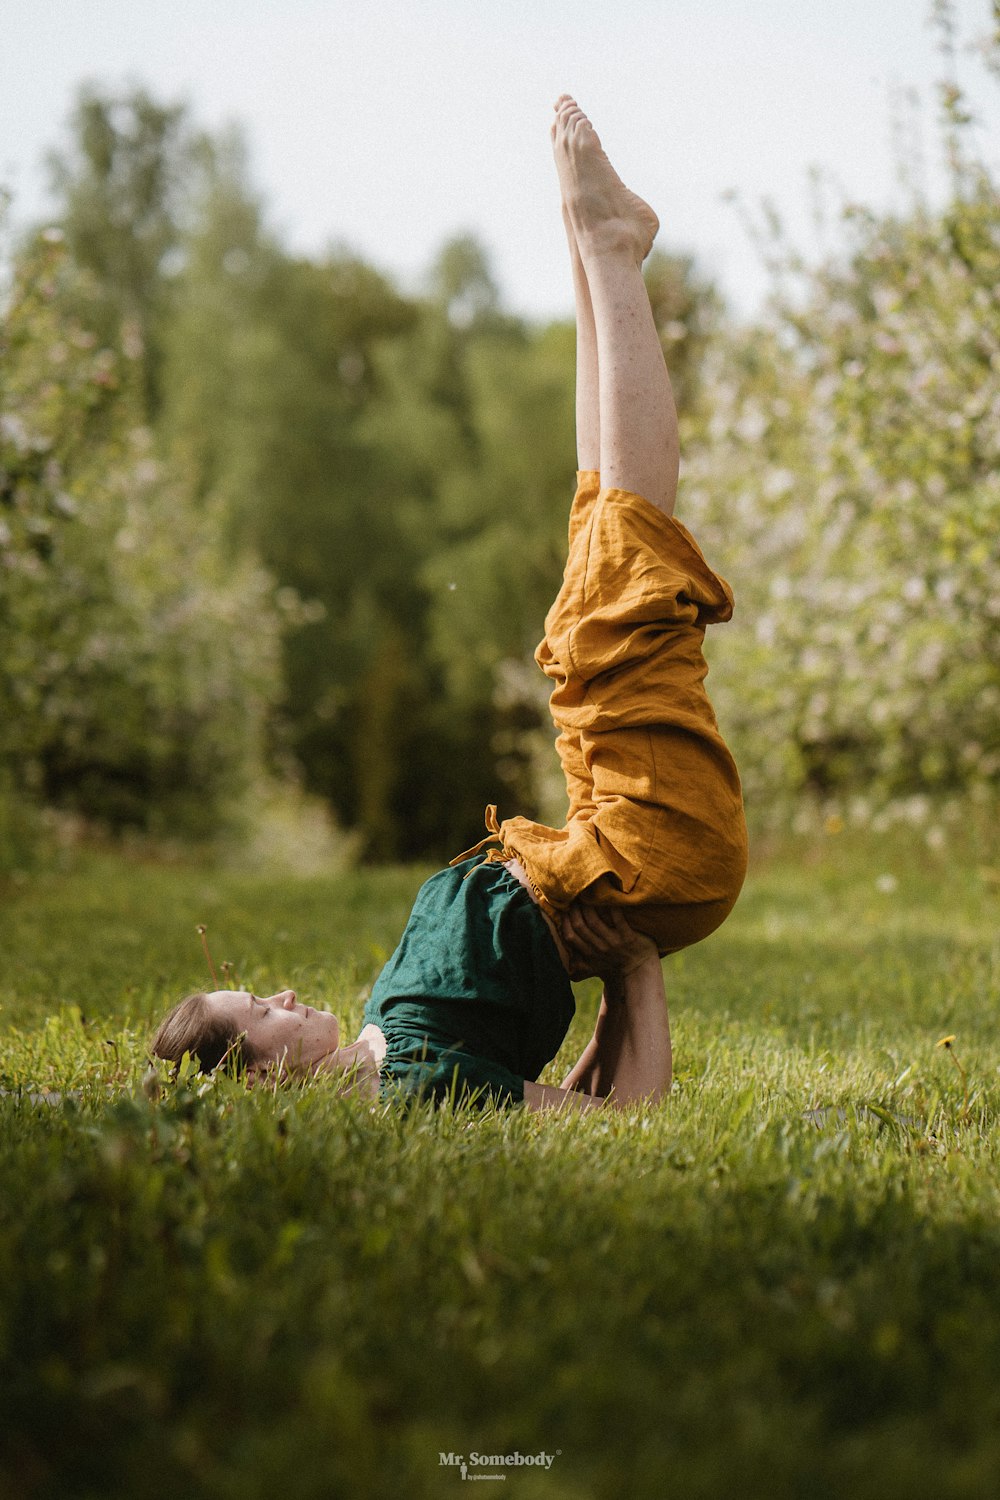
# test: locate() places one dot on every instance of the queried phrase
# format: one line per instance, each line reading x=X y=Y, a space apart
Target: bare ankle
x=614 y=244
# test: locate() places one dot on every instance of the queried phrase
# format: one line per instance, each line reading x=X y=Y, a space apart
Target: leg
x=613 y=231
x=588 y=417
x=656 y=819
x=579 y=786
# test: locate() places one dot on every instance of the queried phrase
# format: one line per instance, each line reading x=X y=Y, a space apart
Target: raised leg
x=588 y=408
x=612 y=230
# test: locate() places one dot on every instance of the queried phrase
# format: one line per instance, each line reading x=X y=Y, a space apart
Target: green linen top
x=475 y=998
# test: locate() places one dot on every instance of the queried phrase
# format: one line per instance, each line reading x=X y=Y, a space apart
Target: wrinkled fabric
x=475 y=999
x=655 y=820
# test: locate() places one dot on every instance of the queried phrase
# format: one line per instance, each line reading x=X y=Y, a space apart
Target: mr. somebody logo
x=498 y=1463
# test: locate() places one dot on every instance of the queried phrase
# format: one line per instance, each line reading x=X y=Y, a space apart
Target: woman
x=476 y=999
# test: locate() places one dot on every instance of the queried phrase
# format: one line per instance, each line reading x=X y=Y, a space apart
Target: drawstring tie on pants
x=497 y=856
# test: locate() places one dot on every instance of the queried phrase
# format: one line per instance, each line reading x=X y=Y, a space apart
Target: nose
x=287 y=999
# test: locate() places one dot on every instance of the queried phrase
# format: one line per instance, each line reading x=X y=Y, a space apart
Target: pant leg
x=661 y=827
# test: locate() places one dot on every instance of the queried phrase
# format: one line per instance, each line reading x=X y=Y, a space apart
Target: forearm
x=630 y=1055
x=640 y=1061
x=584 y=1070
x=547 y=1096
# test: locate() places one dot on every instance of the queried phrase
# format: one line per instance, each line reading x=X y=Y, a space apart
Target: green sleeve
x=462 y=1075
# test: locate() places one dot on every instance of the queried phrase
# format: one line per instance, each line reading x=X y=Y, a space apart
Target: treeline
x=269 y=519
x=848 y=477
x=265 y=515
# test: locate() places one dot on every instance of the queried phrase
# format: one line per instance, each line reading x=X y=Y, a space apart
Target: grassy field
x=784 y=1281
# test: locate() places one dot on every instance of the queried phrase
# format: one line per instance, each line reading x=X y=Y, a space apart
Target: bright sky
x=393 y=124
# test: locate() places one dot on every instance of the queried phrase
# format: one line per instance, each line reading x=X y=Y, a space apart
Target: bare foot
x=603 y=214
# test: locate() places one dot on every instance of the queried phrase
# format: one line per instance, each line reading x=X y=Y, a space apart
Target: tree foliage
x=187 y=409
x=136 y=661
x=123 y=184
x=848 y=477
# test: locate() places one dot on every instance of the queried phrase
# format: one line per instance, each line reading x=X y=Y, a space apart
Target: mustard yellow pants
x=655 y=820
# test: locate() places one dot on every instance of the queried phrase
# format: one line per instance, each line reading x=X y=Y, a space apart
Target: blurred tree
x=847 y=479
x=461 y=281
x=281 y=352
x=136 y=662
x=120 y=188
x=688 y=312
x=401 y=465
x=217 y=304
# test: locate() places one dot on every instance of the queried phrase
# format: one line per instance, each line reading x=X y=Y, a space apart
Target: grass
x=785 y=1280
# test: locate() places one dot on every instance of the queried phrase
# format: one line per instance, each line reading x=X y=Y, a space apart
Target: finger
x=602 y=933
x=622 y=926
x=574 y=926
x=592 y=945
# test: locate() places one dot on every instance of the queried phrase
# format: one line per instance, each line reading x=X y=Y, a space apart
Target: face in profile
x=278 y=1028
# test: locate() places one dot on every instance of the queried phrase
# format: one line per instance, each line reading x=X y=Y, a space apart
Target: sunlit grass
x=784 y=1279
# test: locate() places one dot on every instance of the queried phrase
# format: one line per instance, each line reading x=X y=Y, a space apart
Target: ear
x=265 y=1074
x=257 y=1073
